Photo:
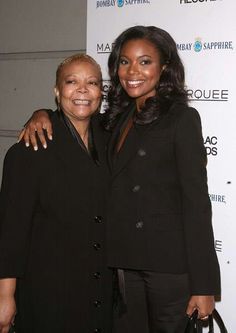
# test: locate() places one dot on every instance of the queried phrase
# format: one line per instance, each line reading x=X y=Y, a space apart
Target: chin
x=134 y=94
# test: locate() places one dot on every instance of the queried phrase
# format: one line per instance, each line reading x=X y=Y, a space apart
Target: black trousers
x=152 y=303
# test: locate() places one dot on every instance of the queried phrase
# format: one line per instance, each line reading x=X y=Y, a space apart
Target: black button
x=139 y=224
x=98 y=219
x=96 y=246
x=97 y=330
x=97 y=303
x=97 y=275
x=136 y=188
x=141 y=152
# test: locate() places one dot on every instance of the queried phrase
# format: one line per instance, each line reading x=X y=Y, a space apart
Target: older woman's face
x=139 y=69
x=79 y=90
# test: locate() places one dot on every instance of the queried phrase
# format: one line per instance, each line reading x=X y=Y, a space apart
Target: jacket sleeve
x=203 y=267
x=18 y=198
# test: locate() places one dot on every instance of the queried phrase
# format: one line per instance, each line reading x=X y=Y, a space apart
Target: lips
x=134 y=83
x=81 y=101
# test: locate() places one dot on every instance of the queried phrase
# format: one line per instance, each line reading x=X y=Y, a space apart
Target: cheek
x=96 y=96
x=120 y=73
x=156 y=73
x=150 y=72
x=65 y=93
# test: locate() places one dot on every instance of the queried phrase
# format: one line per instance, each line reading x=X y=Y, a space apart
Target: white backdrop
x=205 y=33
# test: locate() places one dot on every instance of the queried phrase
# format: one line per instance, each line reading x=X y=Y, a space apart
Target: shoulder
x=187 y=123
x=18 y=160
x=183 y=111
x=17 y=150
x=184 y=117
x=97 y=122
x=19 y=155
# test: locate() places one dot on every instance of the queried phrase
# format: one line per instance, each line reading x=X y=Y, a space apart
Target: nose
x=82 y=88
x=133 y=68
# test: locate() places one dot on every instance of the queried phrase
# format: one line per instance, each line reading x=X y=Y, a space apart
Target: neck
x=139 y=105
x=82 y=127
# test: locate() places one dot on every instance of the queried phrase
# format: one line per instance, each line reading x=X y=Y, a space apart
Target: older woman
x=52 y=229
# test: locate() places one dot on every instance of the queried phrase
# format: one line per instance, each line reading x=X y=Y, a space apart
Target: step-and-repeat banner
x=205 y=33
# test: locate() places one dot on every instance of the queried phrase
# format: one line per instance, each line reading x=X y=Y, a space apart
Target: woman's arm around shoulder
x=35 y=126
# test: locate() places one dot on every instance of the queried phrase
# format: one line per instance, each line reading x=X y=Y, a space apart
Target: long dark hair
x=171 y=86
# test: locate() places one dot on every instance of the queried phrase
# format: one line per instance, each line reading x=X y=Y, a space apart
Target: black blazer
x=159 y=215
x=52 y=234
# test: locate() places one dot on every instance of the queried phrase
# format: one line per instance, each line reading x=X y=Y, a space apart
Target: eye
x=123 y=61
x=93 y=83
x=70 y=81
x=145 y=62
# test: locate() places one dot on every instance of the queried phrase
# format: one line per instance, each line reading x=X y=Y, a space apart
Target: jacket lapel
x=127 y=151
x=114 y=138
x=131 y=145
x=66 y=148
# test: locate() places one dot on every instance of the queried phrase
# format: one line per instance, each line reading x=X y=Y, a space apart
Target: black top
x=52 y=234
x=159 y=210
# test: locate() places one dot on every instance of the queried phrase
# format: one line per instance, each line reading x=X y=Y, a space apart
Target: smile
x=134 y=83
x=81 y=102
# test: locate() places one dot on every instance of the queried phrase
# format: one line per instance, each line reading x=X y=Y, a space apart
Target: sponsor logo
x=105 y=3
x=184 y=2
x=136 y=2
x=208 y=95
x=199 y=45
x=104 y=48
x=120 y=3
x=219 y=198
x=210 y=143
x=218 y=245
x=106 y=86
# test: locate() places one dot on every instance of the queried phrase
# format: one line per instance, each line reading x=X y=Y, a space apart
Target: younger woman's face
x=139 y=69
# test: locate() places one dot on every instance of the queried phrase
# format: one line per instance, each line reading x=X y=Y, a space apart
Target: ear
x=57 y=94
x=163 y=67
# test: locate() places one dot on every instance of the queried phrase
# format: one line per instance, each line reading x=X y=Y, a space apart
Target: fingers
x=190 y=309
x=42 y=138
x=35 y=127
x=203 y=304
x=21 y=135
x=5 y=329
x=39 y=127
x=204 y=315
x=26 y=137
x=33 y=140
x=30 y=133
x=48 y=127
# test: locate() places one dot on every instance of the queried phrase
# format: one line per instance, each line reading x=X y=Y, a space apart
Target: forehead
x=139 y=46
x=80 y=67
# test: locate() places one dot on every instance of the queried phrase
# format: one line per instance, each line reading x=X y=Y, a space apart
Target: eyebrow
x=89 y=77
x=142 y=56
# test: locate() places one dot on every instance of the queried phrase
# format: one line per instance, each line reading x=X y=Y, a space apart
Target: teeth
x=135 y=82
x=81 y=102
